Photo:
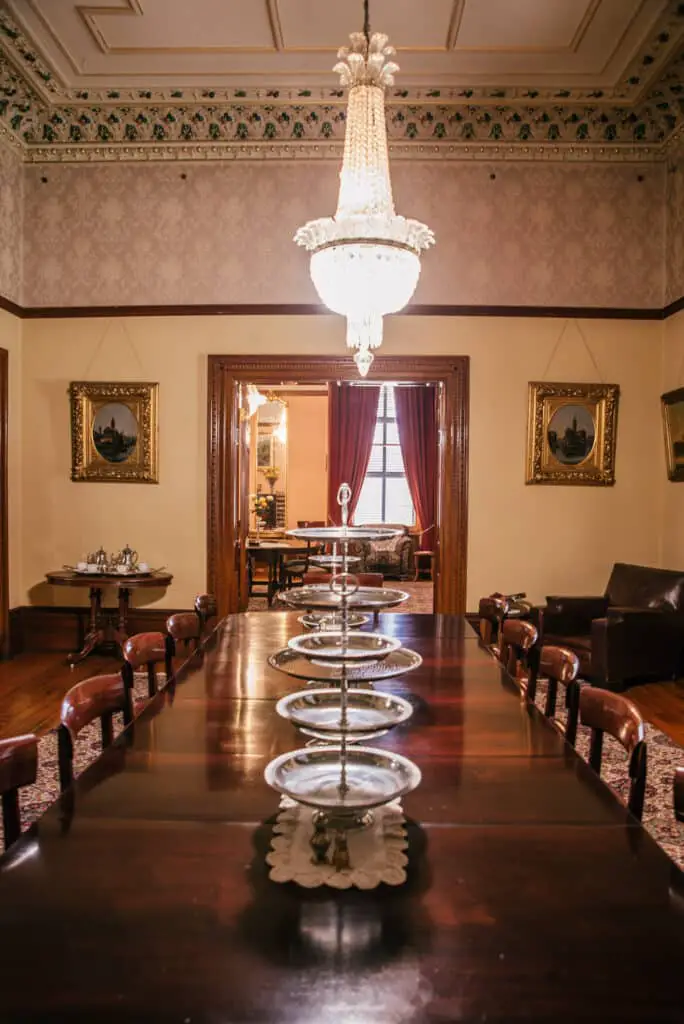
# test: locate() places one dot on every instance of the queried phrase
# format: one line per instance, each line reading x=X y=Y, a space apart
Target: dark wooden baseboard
x=52 y=629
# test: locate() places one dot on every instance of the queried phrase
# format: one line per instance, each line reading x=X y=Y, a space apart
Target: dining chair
x=517 y=650
x=679 y=794
x=147 y=650
x=206 y=608
x=561 y=665
x=184 y=628
x=97 y=697
x=18 y=768
x=603 y=711
x=491 y=613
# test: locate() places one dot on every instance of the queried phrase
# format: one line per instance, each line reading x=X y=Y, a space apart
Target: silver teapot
x=128 y=558
x=99 y=558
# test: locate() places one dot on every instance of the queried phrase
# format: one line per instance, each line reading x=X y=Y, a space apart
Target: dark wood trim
x=51 y=628
x=314 y=309
x=11 y=307
x=673 y=307
x=226 y=373
x=4 y=506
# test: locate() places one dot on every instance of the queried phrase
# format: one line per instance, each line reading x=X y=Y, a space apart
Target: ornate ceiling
x=207 y=79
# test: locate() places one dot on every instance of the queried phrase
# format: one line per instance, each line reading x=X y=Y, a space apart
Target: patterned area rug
x=419 y=603
x=664 y=755
x=35 y=800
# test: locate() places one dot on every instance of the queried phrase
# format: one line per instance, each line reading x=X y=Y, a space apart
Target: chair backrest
x=184 y=627
x=641 y=586
x=517 y=640
x=603 y=711
x=147 y=650
x=206 y=608
x=366 y=579
x=561 y=665
x=18 y=767
x=679 y=794
x=97 y=697
x=492 y=611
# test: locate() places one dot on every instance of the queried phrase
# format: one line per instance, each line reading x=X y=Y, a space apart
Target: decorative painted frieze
x=50 y=122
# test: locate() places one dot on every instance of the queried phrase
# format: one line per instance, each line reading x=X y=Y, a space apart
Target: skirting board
x=54 y=629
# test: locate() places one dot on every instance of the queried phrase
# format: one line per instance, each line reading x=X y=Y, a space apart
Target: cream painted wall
x=10 y=339
x=673 y=500
x=307 y=458
x=539 y=539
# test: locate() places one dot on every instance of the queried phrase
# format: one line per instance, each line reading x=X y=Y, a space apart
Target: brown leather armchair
x=635 y=631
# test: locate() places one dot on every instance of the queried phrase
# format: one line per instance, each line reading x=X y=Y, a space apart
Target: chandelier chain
x=366 y=20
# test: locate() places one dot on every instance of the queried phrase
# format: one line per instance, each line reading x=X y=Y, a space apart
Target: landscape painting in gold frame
x=114 y=432
x=572 y=430
x=672 y=403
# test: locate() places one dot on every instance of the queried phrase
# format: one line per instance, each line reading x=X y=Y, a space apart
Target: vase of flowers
x=262 y=507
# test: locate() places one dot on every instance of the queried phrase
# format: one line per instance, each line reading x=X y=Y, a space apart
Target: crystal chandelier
x=365 y=261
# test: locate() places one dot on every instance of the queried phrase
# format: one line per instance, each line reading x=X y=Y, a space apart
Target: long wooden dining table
x=143 y=895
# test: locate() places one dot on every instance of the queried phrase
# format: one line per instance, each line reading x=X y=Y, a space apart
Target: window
x=385 y=495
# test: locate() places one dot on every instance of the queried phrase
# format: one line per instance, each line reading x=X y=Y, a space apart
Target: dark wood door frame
x=223 y=463
x=4 y=511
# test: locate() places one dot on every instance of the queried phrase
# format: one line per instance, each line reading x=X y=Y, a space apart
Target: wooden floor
x=32 y=687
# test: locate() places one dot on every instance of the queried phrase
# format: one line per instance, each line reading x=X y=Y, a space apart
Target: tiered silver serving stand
x=337 y=774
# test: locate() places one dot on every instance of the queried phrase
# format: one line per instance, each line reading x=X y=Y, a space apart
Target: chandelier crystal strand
x=365 y=261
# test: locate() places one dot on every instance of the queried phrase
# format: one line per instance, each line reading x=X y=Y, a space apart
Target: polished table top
x=531 y=893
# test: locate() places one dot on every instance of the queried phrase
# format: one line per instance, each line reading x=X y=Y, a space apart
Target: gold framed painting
x=572 y=430
x=672 y=404
x=114 y=432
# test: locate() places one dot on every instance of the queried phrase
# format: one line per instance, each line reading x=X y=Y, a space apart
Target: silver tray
x=319 y=712
x=331 y=534
x=312 y=776
x=295 y=664
x=319 y=596
x=328 y=561
x=332 y=621
x=340 y=646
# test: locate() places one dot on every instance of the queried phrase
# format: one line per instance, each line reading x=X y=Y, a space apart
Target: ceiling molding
x=49 y=123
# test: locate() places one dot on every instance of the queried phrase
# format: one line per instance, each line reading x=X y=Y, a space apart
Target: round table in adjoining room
x=100 y=630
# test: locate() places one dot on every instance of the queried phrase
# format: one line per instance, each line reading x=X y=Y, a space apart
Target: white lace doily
x=376 y=853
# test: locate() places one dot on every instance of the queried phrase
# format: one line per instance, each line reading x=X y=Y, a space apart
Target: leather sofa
x=634 y=632
x=394 y=557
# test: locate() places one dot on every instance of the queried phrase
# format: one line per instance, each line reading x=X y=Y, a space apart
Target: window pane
x=395 y=463
x=378 y=436
x=392 y=434
x=399 y=507
x=375 y=462
x=369 y=508
x=391 y=410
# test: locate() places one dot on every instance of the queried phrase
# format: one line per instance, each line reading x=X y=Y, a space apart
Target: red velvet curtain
x=417 y=423
x=352 y=412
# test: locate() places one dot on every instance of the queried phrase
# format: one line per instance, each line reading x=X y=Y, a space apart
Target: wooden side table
x=100 y=630
x=423 y=562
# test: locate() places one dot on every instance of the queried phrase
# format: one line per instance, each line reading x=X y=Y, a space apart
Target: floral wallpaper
x=507 y=233
x=11 y=206
x=674 y=252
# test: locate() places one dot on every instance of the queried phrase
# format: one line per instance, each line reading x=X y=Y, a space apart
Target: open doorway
x=303 y=442
x=237 y=442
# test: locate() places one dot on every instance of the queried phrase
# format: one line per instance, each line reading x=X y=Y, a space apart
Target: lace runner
x=375 y=854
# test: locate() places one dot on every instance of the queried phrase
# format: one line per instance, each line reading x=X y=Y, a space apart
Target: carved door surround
x=226 y=374
x=4 y=512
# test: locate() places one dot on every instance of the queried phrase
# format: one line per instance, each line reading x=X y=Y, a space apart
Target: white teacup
x=91 y=567
x=122 y=569
x=143 y=567
x=82 y=566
